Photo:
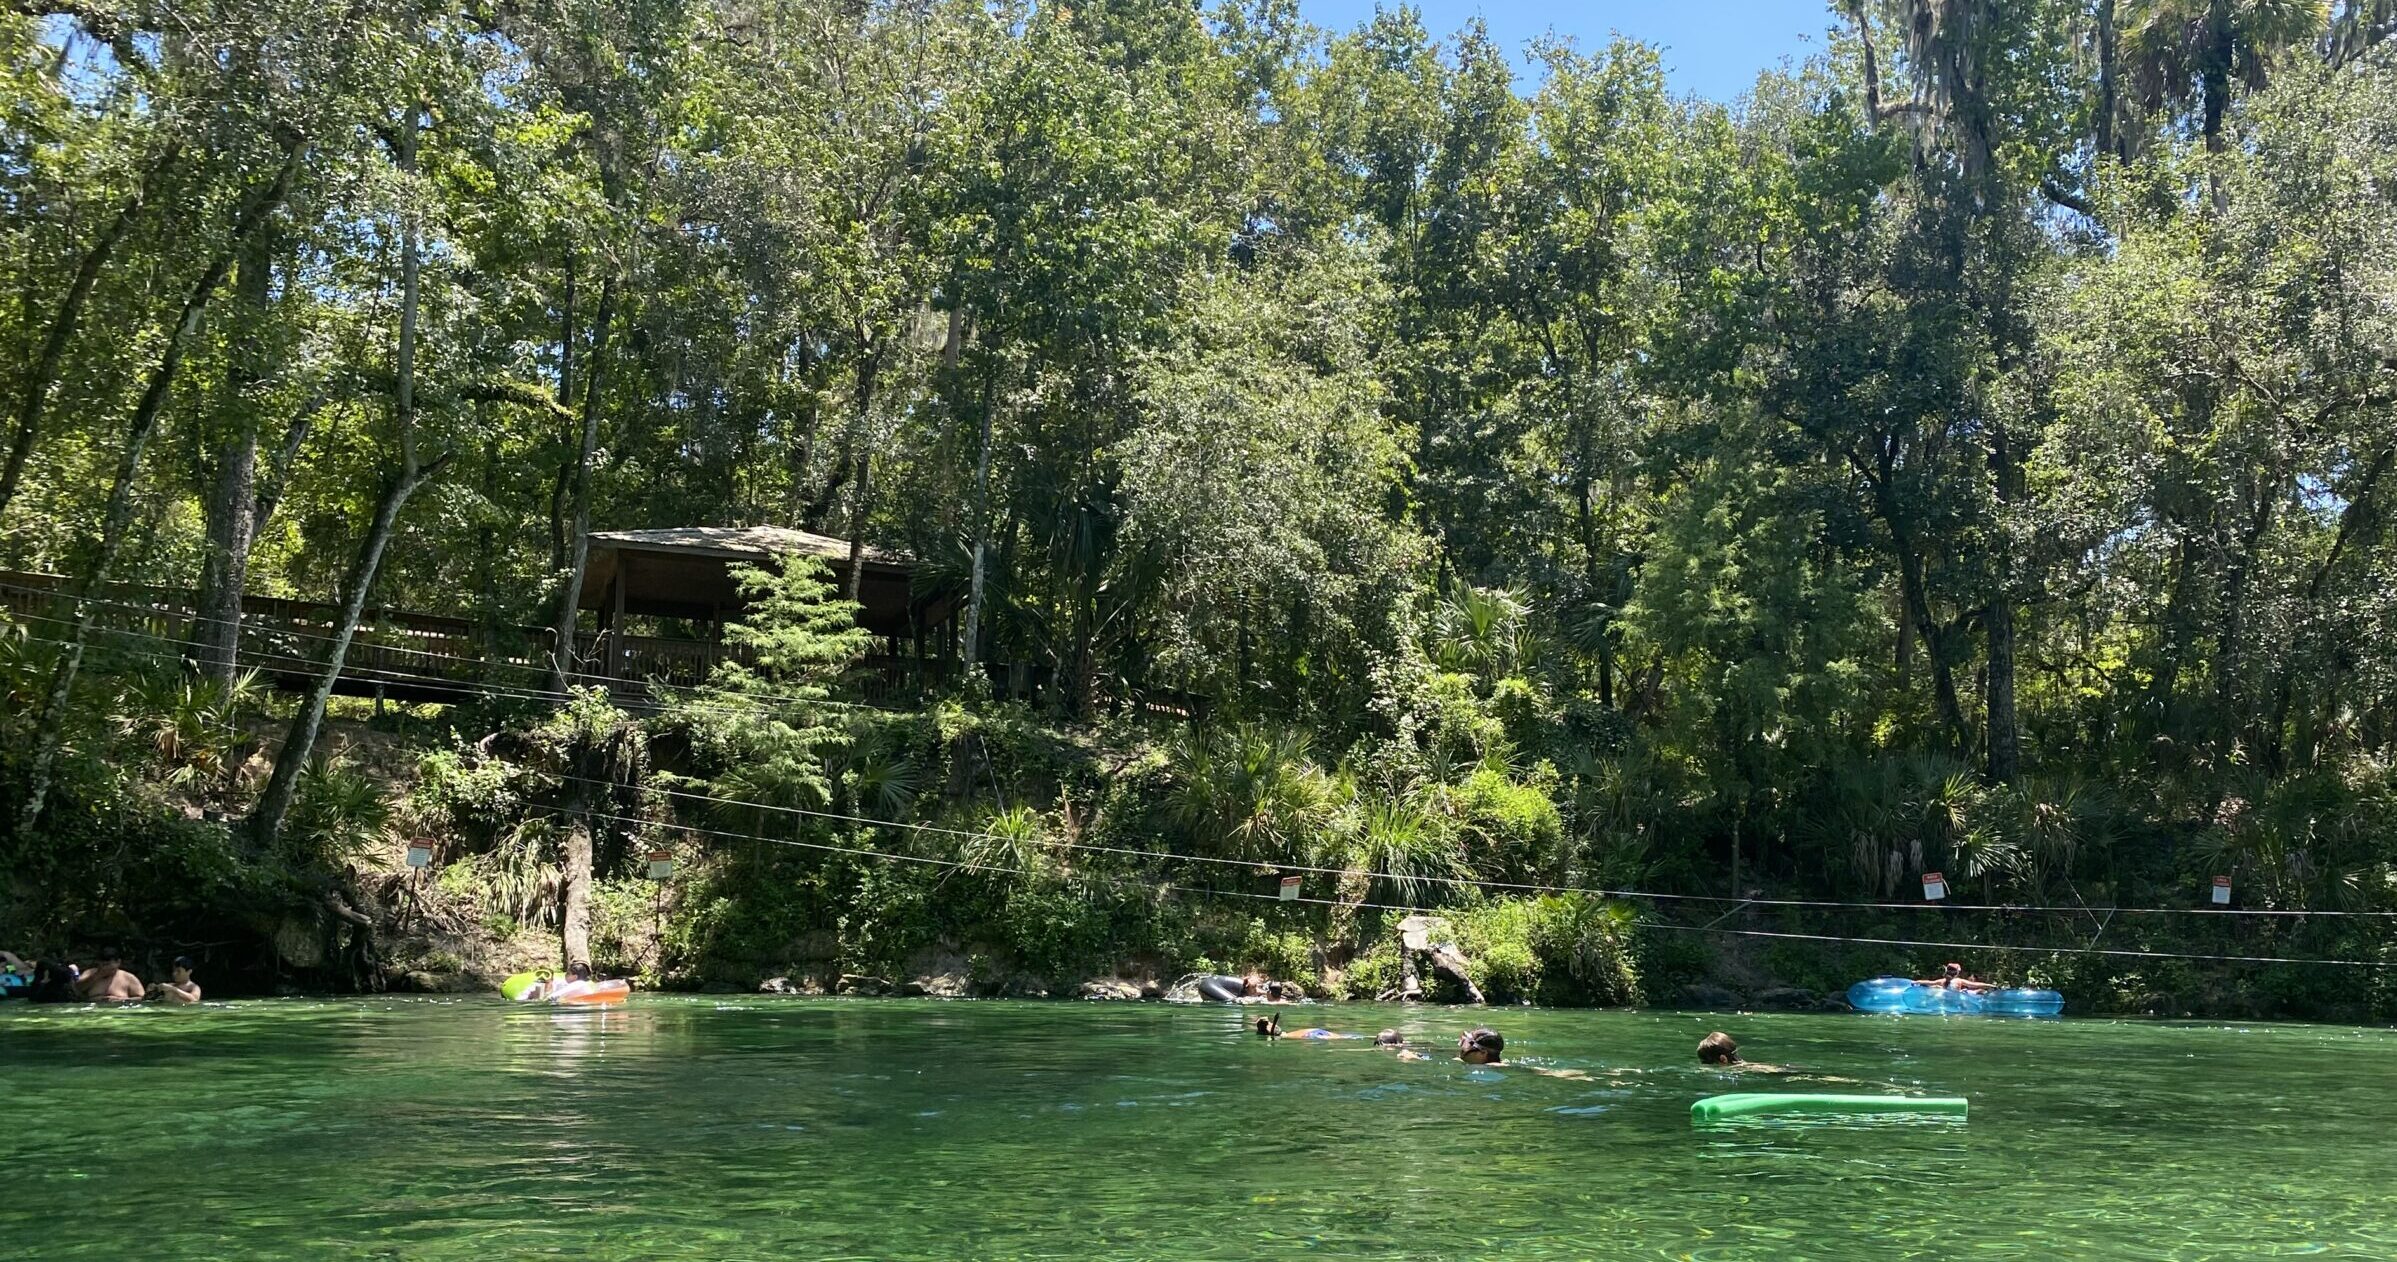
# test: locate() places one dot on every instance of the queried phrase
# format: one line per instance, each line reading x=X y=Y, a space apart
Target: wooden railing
x=406 y=655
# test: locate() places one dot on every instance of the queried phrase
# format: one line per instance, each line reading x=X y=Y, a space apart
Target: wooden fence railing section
x=409 y=656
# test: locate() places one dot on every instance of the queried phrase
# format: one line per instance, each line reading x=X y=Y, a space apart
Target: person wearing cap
x=181 y=990
x=108 y=982
x=1952 y=978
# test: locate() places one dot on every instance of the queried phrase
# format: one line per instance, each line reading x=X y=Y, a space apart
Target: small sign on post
x=1290 y=886
x=420 y=854
x=1935 y=886
x=661 y=864
x=2222 y=891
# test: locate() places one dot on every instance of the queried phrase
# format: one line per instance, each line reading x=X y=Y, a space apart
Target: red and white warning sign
x=2222 y=891
x=661 y=864
x=1290 y=887
x=1935 y=886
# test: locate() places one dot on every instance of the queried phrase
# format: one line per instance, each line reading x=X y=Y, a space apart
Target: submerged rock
x=1114 y=988
x=1787 y=999
x=860 y=984
x=936 y=986
x=1704 y=996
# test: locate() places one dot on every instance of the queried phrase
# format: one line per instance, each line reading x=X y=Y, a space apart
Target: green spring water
x=683 y=1127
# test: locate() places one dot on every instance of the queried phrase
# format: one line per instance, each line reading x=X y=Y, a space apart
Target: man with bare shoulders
x=108 y=982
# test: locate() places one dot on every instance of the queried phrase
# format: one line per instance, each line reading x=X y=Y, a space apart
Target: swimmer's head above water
x=1480 y=1046
x=1389 y=1038
x=1269 y=1027
x=1718 y=1049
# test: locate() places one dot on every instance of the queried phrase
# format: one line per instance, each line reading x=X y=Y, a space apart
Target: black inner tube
x=1219 y=988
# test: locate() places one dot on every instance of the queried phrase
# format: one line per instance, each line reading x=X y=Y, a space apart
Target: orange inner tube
x=597 y=992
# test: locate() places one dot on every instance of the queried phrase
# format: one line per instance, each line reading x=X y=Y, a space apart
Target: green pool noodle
x=1716 y=1108
x=514 y=985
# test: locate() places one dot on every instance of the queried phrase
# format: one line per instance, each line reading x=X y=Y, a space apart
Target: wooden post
x=615 y=638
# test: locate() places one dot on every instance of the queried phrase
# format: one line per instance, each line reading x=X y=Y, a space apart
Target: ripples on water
x=693 y=1128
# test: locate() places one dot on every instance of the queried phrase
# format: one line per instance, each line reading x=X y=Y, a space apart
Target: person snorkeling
x=1953 y=977
x=1393 y=1041
x=1271 y=1028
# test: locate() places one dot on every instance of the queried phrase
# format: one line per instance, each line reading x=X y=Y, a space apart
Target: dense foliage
x=1969 y=450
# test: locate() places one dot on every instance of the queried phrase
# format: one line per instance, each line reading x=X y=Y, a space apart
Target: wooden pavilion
x=663 y=596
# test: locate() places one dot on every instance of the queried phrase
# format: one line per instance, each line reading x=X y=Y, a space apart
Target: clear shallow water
x=770 y=1128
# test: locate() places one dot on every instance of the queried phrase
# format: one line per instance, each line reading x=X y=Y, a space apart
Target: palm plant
x=2193 y=51
x=1481 y=631
x=191 y=723
x=1245 y=791
x=1413 y=848
x=338 y=811
x=1012 y=841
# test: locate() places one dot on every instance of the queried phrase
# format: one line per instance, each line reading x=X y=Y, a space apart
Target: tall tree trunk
x=2359 y=523
x=564 y=480
x=1936 y=645
x=2108 y=98
x=299 y=743
x=42 y=377
x=862 y=462
x=2005 y=742
x=2230 y=655
x=574 y=887
x=578 y=542
x=119 y=512
x=2214 y=84
x=973 y=600
x=233 y=503
x=278 y=473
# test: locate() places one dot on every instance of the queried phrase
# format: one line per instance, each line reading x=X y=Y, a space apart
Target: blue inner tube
x=1219 y=988
x=1941 y=1001
x=1899 y=994
x=2023 y=1003
x=1880 y=994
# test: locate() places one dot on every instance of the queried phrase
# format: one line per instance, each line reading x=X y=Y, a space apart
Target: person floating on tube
x=1952 y=978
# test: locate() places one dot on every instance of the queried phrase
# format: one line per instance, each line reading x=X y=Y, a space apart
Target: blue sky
x=1712 y=49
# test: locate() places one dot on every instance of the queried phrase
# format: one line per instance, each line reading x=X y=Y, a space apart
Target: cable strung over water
x=1269 y=868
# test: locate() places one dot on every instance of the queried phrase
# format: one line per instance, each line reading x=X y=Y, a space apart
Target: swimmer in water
x=1952 y=978
x=108 y=982
x=1393 y=1041
x=1718 y=1051
x=181 y=990
x=1271 y=1028
x=1483 y=1046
